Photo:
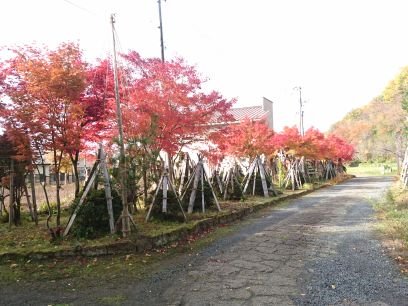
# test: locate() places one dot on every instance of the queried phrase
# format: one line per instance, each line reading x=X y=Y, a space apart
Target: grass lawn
x=373 y=169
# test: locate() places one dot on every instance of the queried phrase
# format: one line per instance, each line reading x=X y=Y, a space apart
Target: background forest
x=378 y=129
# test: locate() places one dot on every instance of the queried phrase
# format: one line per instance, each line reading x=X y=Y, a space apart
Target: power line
x=80 y=7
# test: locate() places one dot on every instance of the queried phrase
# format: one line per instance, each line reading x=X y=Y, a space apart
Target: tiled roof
x=251 y=112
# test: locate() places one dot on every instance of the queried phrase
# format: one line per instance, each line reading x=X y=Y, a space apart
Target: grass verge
x=76 y=272
x=392 y=213
x=30 y=238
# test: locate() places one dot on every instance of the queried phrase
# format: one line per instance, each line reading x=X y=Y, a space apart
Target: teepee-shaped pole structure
x=165 y=185
x=216 y=181
x=257 y=168
x=293 y=175
x=199 y=179
x=303 y=170
x=232 y=188
x=186 y=172
x=100 y=164
x=330 y=170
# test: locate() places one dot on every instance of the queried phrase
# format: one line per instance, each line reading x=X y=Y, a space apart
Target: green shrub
x=234 y=191
x=173 y=213
x=43 y=209
x=93 y=220
x=4 y=218
x=208 y=197
x=258 y=186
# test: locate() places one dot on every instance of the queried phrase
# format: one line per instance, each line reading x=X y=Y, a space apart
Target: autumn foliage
x=165 y=105
x=54 y=103
x=251 y=138
x=55 y=99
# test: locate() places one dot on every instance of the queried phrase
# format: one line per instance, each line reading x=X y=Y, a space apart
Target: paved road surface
x=319 y=250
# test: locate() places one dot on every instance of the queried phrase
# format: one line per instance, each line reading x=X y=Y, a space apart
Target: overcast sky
x=341 y=52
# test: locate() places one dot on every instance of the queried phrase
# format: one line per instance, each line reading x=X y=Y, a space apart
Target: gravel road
x=320 y=249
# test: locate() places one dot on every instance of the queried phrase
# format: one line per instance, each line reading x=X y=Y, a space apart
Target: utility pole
x=167 y=163
x=161 y=31
x=125 y=217
x=301 y=126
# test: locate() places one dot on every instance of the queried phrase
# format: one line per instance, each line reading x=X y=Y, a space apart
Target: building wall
x=267 y=105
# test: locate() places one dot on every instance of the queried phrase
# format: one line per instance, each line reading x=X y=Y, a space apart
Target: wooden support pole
x=108 y=192
x=178 y=200
x=184 y=168
x=212 y=191
x=248 y=176
x=195 y=186
x=165 y=186
x=227 y=182
x=254 y=182
x=82 y=199
x=202 y=191
x=263 y=179
x=218 y=181
x=154 y=197
x=190 y=180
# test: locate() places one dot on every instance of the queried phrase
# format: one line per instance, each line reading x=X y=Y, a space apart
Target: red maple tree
x=248 y=139
x=41 y=89
x=165 y=105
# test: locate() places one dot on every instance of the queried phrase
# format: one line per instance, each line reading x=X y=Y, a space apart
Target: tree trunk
x=144 y=169
x=17 y=206
x=30 y=207
x=33 y=197
x=1 y=201
x=74 y=159
x=57 y=163
x=11 y=190
x=57 y=188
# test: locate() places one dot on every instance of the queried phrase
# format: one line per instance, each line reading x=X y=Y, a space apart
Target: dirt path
x=321 y=249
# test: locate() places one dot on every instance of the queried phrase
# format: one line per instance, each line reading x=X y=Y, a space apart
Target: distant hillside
x=378 y=129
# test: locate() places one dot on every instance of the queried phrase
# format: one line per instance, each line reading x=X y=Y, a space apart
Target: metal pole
x=122 y=160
